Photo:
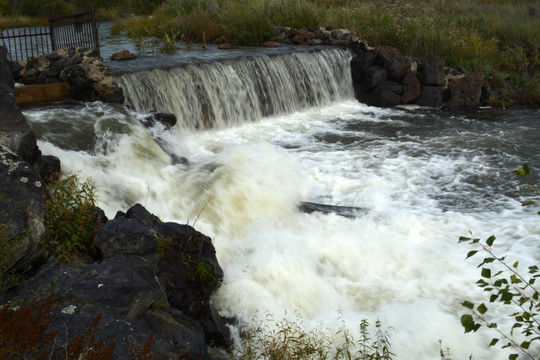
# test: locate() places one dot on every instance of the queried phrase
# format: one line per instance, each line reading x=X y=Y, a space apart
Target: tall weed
x=288 y=339
x=70 y=218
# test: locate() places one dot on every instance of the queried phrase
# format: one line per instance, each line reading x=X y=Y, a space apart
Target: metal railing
x=74 y=30
x=64 y=31
x=23 y=43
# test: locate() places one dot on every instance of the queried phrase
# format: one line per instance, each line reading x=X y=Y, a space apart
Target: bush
x=506 y=285
x=70 y=218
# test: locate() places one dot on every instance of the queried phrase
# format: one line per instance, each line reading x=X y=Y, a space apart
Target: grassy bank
x=497 y=37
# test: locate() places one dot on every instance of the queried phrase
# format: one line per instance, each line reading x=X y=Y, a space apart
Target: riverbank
x=496 y=38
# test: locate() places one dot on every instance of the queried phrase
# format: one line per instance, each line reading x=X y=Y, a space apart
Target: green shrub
x=508 y=287
x=70 y=218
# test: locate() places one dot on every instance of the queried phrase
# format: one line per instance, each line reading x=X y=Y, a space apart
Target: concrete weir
x=26 y=95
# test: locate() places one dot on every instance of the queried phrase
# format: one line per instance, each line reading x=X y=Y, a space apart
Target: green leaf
x=471 y=253
x=515 y=265
x=468 y=323
x=512 y=357
x=514 y=279
x=490 y=240
x=464 y=238
x=468 y=304
x=506 y=297
x=486 y=273
x=494 y=341
x=482 y=308
x=527 y=203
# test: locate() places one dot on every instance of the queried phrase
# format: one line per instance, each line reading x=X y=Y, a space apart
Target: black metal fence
x=64 y=31
x=22 y=43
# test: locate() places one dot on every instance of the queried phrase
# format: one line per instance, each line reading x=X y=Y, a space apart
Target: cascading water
x=423 y=178
x=232 y=92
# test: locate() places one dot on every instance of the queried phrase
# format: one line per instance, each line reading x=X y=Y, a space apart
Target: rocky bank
x=383 y=76
x=149 y=283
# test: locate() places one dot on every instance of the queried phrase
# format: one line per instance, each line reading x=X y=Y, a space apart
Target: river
x=404 y=185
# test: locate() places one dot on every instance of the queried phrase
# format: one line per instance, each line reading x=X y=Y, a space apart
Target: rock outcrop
x=150 y=282
x=22 y=210
x=157 y=277
x=15 y=132
x=86 y=73
x=384 y=77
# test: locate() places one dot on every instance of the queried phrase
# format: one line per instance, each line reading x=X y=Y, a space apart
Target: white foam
x=400 y=262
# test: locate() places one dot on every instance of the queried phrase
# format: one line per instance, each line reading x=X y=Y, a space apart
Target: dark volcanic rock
x=411 y=88
x=373 y=76
x=22 y=209
x=15 y=132
x=433 y=72
x=395 y=63
x=430 y=96
x=465 y=91
x=6 y=77
x=123 y=236
x=48 y=166
x=168 y=120
x=360 y=62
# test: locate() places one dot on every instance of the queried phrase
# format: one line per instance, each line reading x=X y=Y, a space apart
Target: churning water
x=417 y=178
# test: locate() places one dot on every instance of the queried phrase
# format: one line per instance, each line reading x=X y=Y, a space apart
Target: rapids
x=424 y=178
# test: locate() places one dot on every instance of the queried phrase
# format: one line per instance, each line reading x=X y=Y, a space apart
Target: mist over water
x=419 y=179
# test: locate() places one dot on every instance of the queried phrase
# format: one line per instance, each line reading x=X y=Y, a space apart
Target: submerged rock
x=123 y=55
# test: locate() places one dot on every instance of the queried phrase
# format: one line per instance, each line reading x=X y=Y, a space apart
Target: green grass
x=496 y=37
x=7 y=22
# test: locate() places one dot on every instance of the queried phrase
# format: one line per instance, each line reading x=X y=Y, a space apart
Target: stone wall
x=382 y=76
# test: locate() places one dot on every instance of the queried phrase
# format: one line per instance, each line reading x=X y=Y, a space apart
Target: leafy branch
x=506 y=286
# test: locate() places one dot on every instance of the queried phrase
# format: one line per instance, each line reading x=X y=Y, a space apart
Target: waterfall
x=230 y=92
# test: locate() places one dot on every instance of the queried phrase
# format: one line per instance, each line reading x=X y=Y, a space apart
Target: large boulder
x=6 y=78
x=411 y=88
x=123 y=236
x=360 y=62
x=22 y=211
x=15 y=132
x=465 y=91
x=162 y=289
x=433 y=72
x=394 y=62
x=373 y=76
x=431 y=96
